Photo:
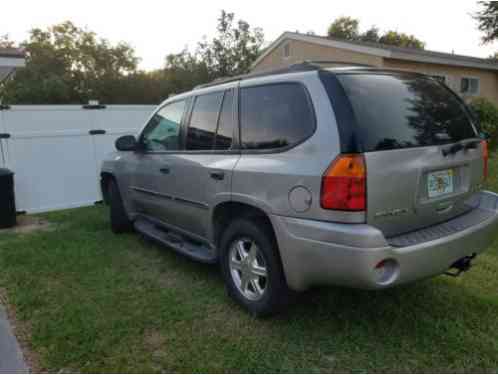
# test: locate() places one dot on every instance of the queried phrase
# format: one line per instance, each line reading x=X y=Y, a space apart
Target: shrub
x=487 y=115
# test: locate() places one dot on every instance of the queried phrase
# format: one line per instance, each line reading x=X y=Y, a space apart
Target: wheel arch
x=224 y=212
x=105 y=178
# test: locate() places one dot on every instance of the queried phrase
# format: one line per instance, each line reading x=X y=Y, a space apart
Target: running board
x=178 y=242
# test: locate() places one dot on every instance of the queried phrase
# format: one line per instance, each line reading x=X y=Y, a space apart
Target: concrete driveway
x=11 y=358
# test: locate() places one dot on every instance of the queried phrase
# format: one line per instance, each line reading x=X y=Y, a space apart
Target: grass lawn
x=90 y=301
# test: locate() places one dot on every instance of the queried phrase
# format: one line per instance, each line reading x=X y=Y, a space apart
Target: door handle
x=164 y=170
x=217 y=175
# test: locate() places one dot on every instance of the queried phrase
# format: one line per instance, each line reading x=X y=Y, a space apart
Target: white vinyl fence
x=56 y=151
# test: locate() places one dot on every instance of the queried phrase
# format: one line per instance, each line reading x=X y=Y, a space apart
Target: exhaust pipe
x=461 y=265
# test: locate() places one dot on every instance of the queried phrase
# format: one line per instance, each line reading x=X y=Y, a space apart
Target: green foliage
x=371 y=35
x=233 y=50
x=395 y=38
x=69 y=65
x=487 y=20
x=487 y=116
x=344 y=28
x=348 y=28
x=66 y=64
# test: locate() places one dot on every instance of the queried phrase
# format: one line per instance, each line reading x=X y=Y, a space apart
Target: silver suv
x=306 y=176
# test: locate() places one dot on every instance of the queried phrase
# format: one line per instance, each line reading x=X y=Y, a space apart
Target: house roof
x=10 y=59
x=383 y=50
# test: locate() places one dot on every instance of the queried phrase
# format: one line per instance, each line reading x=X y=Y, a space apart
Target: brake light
x=344 y=184
x=485 y=157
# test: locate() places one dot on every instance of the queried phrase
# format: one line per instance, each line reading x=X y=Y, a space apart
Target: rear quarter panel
x=266 y=179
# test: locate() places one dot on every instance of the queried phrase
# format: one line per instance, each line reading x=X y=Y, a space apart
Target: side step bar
x=178 y=242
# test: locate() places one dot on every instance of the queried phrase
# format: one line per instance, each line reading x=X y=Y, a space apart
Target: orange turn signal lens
x=344 y=184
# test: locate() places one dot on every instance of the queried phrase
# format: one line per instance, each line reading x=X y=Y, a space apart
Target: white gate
x=56 y=151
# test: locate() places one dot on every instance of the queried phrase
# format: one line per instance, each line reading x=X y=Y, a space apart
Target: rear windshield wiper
x=453 y=149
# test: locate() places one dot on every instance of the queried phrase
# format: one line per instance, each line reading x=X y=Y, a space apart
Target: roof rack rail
x=294 y=68
x=303 y=66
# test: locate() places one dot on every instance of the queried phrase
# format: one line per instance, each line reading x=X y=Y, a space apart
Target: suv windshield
x=403 y=110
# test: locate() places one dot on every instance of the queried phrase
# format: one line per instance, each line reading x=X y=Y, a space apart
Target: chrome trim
x=176 y=199
x=151 y=192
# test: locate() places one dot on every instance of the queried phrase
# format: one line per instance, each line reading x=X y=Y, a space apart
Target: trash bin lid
x=5 y=172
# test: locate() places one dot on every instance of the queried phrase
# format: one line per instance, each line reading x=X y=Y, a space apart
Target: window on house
x=469 y=86
x=286 y=50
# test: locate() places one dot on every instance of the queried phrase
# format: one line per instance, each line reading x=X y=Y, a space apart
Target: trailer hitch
x=461 y=265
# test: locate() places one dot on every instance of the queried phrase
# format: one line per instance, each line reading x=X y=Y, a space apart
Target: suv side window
x=275 y=116
x=162 y=133
x=224 y=134
x=203 y=122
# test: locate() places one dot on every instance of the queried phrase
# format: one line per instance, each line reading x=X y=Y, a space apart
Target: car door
x=204 y=170
x=153 y=180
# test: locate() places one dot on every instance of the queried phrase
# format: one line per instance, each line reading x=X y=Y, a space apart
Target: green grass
x=95 y=302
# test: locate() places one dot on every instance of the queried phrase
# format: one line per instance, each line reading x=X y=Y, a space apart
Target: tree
x=66 y=64
x=233 y=49
x=401 y=40
x=348 y=28
x=487 y=19
x=5 y=41
x=371 y=35
x=184 y=71
x=344 y=28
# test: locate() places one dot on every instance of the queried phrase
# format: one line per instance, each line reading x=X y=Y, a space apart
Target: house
x=469 y=76
x=10 y=59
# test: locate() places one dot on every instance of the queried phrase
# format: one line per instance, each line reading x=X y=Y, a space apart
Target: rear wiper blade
x=453 y=149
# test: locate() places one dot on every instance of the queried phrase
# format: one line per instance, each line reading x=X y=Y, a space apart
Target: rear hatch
x=422 y=152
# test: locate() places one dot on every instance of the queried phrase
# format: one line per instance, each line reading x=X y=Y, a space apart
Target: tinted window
x=162 y=133
x=275 y=116
x=202 y=128
x=225 y=126
x=398 y=111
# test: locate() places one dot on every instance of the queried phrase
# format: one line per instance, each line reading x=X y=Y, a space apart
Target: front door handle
x=217 y=175
x=164 y=170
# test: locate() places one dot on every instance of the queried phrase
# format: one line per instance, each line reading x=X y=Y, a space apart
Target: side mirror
x=126 y=143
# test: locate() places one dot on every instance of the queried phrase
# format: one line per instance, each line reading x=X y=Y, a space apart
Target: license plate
x=440 y=183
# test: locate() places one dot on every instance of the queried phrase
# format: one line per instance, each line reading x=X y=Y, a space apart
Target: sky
x=156 y=28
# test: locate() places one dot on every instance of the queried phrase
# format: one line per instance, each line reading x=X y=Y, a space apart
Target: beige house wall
x=300 y=51
x=488 y=80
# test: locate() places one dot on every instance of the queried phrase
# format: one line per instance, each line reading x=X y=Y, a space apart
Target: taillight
x=485 y=157
x=344 y=184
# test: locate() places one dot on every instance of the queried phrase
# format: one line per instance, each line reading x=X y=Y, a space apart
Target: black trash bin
x=7 y=199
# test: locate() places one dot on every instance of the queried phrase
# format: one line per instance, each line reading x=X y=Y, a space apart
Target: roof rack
x=304 y=66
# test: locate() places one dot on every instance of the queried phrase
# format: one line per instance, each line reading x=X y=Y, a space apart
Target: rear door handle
x=164 y=170
x=217 y=175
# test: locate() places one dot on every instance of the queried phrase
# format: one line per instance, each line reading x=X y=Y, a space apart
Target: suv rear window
x=401 y=111
x=275 y=116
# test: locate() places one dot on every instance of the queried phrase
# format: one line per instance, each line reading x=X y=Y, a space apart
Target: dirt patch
x=154 y=340
x=28 y=224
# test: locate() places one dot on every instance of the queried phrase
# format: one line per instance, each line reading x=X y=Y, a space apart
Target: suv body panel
x=398 y=200
x=317 y=246
x=324 y=253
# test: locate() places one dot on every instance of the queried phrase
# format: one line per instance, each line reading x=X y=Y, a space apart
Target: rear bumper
x=322 y=253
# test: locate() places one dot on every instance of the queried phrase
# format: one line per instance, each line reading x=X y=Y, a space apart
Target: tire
x=276 y=293
x=119 y=219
